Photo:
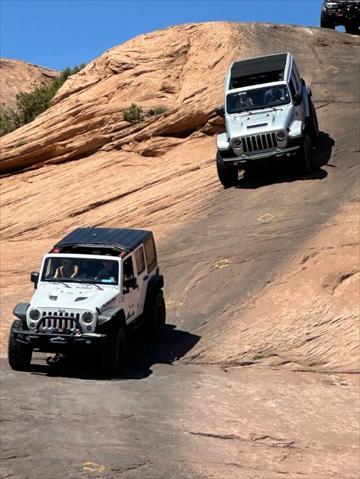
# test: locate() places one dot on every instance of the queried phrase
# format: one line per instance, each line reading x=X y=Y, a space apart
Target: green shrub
x=9 y=121
x=157 y=110
x=30 y=105
x=133 y=114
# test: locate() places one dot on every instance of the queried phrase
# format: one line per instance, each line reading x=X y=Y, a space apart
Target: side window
x=150 y=253
x=140 y=260
x=295 y=75
x=128 y=269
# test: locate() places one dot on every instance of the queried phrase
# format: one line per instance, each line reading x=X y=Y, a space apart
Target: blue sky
x=60 y=33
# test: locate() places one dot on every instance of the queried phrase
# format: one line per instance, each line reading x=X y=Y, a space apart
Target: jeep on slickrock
x=94 y=288
x=341 y=12
x=268 y=113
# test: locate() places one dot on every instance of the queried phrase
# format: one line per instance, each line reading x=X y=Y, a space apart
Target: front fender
x=109 y=314
x=20 y=310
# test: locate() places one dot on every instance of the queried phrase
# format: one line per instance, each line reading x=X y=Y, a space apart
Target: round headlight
x=34 y=314
x=87 y=317
x=237 y=143
x=281 y=136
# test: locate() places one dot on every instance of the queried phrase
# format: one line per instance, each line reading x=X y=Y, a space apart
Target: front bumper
x=54 y=342
x=278 y=153
x=344 y=12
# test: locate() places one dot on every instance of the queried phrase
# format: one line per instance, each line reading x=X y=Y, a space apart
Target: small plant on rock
x=157 y=110
x=133 y=114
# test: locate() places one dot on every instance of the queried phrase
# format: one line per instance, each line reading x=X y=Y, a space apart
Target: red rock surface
x=17 y=76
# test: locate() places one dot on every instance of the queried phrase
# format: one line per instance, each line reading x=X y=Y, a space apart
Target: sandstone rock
x=17 y=76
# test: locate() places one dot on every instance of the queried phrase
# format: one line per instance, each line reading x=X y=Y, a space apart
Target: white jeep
x=94 y=288
x=268 y=113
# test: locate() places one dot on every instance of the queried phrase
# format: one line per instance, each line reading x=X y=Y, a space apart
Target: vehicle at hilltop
x=95 y=287
x=269 y=113
x=341 y=12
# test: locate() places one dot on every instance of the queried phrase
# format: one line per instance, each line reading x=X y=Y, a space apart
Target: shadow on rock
x=283 y=171
x=143 y=354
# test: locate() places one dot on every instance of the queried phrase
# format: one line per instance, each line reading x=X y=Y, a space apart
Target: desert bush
x=9 y=121
x=30 y=105
x=133 y=114
x=157 y=110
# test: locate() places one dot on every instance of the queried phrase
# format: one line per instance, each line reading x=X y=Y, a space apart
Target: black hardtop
x=122 y=239
x=256 y=67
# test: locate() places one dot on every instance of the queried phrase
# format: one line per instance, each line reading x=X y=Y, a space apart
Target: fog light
x=88 y=328
x=32 y=325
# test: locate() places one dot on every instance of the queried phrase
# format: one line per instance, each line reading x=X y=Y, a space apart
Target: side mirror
x=130 y=282
x=220 y=111
x=297 y=99
x=34 y=278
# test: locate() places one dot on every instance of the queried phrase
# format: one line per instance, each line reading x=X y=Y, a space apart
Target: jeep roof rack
x=254 y=71
x=106 y=240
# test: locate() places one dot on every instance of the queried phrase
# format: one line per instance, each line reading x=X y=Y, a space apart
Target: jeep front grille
x=265 y=141
x=64 y=322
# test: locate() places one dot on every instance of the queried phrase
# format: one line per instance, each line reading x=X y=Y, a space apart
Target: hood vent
x=257 y=126
x=81 y=298
x=53 y=298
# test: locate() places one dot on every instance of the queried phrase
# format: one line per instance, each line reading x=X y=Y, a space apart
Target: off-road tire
x=114 y=352
x=325 y=22
x=352 y=29
x=228 y=175
x=19 y=355
x=313 y=124
x=306 y=155
x=156 y=316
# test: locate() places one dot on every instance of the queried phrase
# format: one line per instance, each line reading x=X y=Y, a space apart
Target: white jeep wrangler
x=94 y=287
x=268 y=113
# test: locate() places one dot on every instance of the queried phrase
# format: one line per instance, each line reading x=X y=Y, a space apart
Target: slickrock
x=18 y=76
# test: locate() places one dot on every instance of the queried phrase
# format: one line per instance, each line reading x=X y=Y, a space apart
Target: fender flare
x=112 y=314
x=20 y=310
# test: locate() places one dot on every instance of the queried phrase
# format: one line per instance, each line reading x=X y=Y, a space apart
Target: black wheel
x=114 y=354
x=313 y=125
x=326 y=22
x=19 y=354
x=228 y=175
x=307 y=157
x=352 y=29
x=156 y=316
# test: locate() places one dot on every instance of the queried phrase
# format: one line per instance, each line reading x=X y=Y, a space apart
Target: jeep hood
x=76 y=296
x=259 y=121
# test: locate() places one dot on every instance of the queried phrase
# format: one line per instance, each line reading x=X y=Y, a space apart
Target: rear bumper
x=248 y=159
x=52 y=342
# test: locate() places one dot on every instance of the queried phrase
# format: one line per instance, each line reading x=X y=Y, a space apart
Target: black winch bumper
x=55 y=342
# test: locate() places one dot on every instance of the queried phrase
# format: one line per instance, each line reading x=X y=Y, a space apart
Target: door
x=130 y=294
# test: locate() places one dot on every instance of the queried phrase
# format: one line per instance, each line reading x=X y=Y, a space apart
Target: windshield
x=80 y=270
x=259 y=98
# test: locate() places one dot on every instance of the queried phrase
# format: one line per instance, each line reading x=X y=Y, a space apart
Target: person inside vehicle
x=108 y=271
x=274 y=95
x=67 y=269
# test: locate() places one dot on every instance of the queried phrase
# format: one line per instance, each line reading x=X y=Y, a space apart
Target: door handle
x=145 y=278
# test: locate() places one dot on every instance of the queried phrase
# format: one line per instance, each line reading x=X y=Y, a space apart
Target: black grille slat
x=264 y=141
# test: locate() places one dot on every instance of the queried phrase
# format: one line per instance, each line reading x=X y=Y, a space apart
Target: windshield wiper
x=61 y=282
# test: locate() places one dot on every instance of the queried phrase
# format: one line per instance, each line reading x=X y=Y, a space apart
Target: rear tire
x=19 y=355
x=156 y=318
x=114 y=354
x=228 y=175
x=307 y=157
x=313 y=126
